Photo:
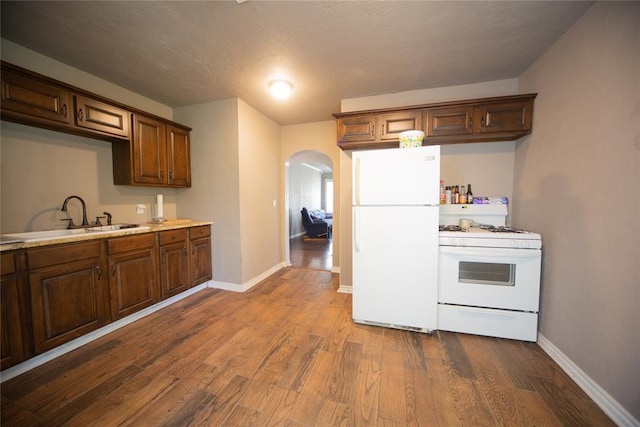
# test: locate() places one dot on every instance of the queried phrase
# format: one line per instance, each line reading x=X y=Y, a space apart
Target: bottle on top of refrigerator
x=469 y=194
x=463 y=195
x=456 y=195
x=443 y=196
x=447 y=193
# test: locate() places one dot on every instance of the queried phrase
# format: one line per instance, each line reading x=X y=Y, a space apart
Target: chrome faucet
x=85 y=222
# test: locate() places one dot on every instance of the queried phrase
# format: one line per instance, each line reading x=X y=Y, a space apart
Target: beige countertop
x=171 y=224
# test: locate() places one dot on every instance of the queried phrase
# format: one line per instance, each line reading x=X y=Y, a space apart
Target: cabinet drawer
x=173 y=236
x=130 y=243
x=8 y=264
x=55 y=255
x=198 y=232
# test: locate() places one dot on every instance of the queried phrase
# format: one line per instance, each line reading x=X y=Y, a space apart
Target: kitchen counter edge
x=153 y=228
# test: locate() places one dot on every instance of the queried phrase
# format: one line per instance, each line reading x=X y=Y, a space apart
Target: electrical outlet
x=140 y=209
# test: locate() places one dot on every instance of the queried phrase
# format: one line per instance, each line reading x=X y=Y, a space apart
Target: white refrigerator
x=395 y=237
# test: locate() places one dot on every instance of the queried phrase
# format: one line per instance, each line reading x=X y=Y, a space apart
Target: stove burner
x=502 y=229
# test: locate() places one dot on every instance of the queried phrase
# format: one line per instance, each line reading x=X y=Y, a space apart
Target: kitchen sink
x=36 y=236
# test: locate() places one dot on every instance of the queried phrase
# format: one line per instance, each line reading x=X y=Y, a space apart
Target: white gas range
x=489 y=274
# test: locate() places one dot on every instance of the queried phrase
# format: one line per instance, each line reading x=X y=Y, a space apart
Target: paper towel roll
x=159 y=208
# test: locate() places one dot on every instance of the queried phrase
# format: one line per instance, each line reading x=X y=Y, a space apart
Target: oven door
x=490 y=277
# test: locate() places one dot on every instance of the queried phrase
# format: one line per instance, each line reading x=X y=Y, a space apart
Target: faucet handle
x=70 y=224
x=108 y=217
x=98 y=220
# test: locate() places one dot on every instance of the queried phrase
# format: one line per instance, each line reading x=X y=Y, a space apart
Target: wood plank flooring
x=313 y=253
x=286 y=353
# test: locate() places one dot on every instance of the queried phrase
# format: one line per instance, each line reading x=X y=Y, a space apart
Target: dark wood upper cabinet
x=478 y=120
x=392 y=124
x=357 y=129
x=147 y=150
x=101 y=117
x=29 y=101
x=449 y=121
x=158 y=155
x=178 y=157
x=502 y=117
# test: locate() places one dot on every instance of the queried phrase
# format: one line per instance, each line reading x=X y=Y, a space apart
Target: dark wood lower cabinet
x=68 y=295
x=133 y=277
x=11 y=345
x=54 y=294
x=174 y=262
x=201 y=266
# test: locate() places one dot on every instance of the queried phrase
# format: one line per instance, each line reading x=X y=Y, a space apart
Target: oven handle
x=490 y=254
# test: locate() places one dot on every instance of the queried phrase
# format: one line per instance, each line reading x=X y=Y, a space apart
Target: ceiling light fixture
x=281 y=89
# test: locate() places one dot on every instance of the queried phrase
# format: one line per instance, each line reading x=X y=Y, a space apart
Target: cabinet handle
x=161 y=173
x=373 y=129
x=80 y=115
x=482 y=121
x=470 y=121
x=99 y=271
x=171 y=174
x=382 y=129
x=64 y=110
x=113 y=270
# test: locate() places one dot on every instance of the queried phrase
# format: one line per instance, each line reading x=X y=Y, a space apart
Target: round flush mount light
x=281 y=89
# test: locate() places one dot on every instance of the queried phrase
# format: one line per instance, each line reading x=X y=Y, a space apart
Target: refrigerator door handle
x=357 y=182
x=356 y=229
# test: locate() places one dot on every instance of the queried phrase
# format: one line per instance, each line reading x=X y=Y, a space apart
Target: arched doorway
x=308 y=183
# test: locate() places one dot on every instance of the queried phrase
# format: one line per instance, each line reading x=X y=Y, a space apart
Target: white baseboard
x=43 y=358
x=345 y=289
x=247 y=285
x=608 y=404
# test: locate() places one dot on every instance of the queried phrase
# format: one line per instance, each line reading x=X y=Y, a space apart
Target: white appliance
x=395 y=237
x=489 y=276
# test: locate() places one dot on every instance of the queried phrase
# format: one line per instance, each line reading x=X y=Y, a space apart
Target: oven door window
x=486 y=273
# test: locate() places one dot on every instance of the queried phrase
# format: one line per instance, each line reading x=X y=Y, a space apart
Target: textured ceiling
x=189 y=52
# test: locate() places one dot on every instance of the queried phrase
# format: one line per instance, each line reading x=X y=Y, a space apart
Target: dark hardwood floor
x=286 y=353
x=311 y=253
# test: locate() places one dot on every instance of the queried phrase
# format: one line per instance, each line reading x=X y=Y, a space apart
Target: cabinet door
x=174 y=262
x=449 y=121
x=179 y=157
x=201 y=267
x=149 y=151
x=37 y=101
x=503 y=117
x=98 y=116
x=200 y=242
x=11 y=345
x=356 y=129
x=391 y=125
x=65 y=302
x=133 y=281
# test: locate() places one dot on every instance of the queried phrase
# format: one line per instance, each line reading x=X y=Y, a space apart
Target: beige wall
x=260 y=194
x=318 y=136
x=40 y=168
x=576 y=182
x=215 y=191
